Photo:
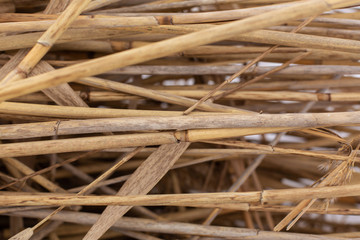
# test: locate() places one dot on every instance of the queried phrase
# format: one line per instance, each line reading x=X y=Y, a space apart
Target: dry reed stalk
x=61 y=94
x=249 y=95
x=316 y=70
x=98 y=143
x=206 y=121
x=175 y=18
x=194 y=91
x=104 y=22
x=153 y=94
x=129 y=140
x=205 y=52
x=46 y=41
x=170 y=46
x=330 y=210
x=260 y=36
x=224 y=200
x=172 y=227
x=69 y=112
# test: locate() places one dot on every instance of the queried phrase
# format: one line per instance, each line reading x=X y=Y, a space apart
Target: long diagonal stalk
x=46 y=41
x=170 y=46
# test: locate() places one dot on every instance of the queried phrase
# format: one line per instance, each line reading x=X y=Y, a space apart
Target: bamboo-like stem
x=46 y=41
x=262 y=95
x=260 y=36
x=98 y=143
x=68 y=112
x=223 y=200
x=195 y=92
x=129 y=140
x=97 y=22
x=224 y=70
x=170 y=227
x=206 y=121
x=175 y=18
x=167 y=47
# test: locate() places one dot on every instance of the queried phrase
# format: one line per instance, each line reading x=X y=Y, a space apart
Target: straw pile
x=197 y=119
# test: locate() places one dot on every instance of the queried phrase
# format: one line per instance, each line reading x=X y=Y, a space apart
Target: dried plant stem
x=254 y=61
x=220 y=69
x=127 y=140
x=46 y=41
x=138 y=224
x=68 y=112
x=141 y=182
x=167 y=47
x=224 y=200
x=328 y=43
x=153 y=94
x=206 y=121
x=175 y=18
x=330 y=210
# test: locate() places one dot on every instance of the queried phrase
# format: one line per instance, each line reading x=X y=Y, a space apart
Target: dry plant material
x=200 y=118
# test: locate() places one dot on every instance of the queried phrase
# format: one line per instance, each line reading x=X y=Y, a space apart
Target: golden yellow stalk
x=46 y=41
x=224 y=200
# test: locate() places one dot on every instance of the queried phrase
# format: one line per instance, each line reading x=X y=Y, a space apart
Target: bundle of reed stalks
x=179 y=119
